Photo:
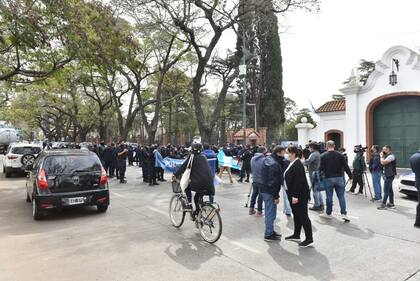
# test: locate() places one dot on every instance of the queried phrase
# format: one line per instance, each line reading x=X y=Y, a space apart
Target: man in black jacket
x=415 y=166
x=107 y=158
x=270 y=191
x=246 y=163
x=332 y=169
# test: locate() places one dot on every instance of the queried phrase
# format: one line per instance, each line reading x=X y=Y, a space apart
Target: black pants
x=256 y=194
x=130 y=161
x=107 y=165
x=357 y=180
x=418 y=210
x=301 y=219
x=145 y=171
x=245 y=170
x=152 y=173
x=121 y=169
x=160 y=173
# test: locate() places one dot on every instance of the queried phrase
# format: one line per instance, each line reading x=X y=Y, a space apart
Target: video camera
x=360 y=148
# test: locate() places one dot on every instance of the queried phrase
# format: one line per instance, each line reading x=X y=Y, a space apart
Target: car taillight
x=42 y=180
x=12 y=157
x=104 y=178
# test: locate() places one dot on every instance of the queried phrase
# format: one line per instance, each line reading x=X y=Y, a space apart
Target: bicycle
x=208 y=220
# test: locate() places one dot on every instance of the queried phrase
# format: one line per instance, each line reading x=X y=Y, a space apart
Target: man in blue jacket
x=270 y=191
x=257 y=165
x=415 y=166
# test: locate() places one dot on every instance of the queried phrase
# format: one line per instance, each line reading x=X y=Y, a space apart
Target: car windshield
x=26 y=150
x=69 y=164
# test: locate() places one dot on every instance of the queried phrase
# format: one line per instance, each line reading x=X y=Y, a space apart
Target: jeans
x=338 y=185
x=286 y=204
x=418 y=209
x=388 y=191
x=318 y=200
x=376 y=180
x=270 y=213
x=255 y=195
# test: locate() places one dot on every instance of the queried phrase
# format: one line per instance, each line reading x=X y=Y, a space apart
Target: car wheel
x=28 y=199
x=36 y=214
x=102 y=208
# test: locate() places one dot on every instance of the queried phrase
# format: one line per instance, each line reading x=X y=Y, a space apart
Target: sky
x=320 y=50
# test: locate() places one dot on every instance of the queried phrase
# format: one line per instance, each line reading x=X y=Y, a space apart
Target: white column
x=303 y=133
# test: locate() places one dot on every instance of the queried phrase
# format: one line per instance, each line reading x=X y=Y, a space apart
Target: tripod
x=249 y=196
x=367 y=186
x=365 y=177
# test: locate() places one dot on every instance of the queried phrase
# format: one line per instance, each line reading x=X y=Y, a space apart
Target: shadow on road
x=348 y=229
x=308 y=262
x=192 y=254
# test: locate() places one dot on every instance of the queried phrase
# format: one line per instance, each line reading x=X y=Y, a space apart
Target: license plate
x=76 y=201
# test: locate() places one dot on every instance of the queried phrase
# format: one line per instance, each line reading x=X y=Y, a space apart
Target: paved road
x=134 y=241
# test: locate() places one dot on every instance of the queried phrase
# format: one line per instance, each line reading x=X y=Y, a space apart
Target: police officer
x=145 y=163
x=122 y=153
x=107 y=159
x=152 y=168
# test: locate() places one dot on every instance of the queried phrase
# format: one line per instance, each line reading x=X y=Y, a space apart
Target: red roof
x=332 y=106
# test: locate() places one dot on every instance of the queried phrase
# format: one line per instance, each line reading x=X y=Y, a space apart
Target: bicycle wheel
x=210 y=223
x=176 y=211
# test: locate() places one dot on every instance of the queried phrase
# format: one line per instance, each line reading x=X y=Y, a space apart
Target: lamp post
x=242 y=75
x=393 y=79
x=255 y=114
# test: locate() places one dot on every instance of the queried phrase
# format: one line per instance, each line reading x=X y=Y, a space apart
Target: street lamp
x=242 y=76
x=255 y=114
x=393 y=76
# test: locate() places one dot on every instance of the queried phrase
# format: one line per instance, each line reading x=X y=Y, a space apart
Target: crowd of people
x=276 y=172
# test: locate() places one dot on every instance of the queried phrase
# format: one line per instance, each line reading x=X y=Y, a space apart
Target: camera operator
x=389 y=162
x=359 y=167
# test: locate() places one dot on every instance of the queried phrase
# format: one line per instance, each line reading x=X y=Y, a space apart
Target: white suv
x=12 y=161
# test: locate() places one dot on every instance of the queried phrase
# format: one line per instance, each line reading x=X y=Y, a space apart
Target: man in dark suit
x=415 y=166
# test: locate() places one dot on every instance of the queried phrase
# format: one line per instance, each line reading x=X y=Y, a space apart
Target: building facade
x=380 y=112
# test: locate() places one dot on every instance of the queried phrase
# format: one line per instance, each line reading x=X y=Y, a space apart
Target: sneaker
x=252 y=211
x=277 y=234
x=355 y=193
x=292 y=238
x=271 y=238
x=260 y=214
x=382 y=207
x=123 y=181
x=316 y=209
x=326 y=216
x=306 y=243
x=345 y=218
x=390 y=206
x=247 y=181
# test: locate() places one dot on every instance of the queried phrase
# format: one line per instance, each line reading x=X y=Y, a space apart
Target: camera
x=360 y=148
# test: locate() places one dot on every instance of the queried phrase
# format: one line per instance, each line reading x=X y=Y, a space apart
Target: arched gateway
x=378 y=112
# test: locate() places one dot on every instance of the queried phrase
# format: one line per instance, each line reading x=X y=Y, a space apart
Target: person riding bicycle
x=201 y=177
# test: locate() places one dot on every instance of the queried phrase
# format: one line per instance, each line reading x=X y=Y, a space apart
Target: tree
x=291 y=131
x=364 y=69
x=196 y=19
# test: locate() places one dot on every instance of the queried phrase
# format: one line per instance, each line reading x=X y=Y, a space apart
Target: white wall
x=353 y=121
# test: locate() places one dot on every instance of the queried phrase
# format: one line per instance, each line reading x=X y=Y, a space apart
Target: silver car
x=406 y=184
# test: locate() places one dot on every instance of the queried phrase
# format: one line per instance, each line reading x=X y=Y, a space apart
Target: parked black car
x=66 y=178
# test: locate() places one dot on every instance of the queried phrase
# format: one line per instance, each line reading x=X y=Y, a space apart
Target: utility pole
x=242 y=72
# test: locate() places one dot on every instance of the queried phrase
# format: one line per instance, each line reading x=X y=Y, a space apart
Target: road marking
x=158 y=211
x=117 y=194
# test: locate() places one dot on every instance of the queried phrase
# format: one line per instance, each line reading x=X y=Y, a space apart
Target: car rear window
x=68 y=164
x=26 y=150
